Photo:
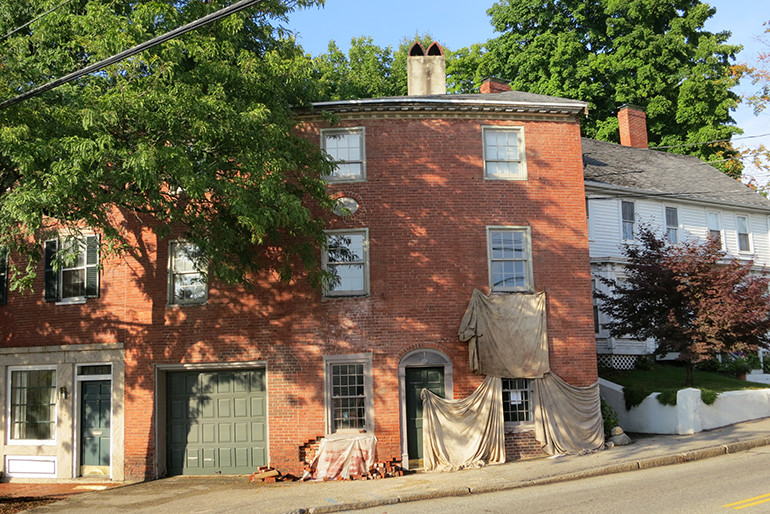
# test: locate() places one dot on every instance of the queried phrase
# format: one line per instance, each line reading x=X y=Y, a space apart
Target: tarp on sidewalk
x=463 y=433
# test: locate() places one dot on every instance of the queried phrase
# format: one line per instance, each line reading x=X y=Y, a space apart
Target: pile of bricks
x=270 y=475
x=391 y=468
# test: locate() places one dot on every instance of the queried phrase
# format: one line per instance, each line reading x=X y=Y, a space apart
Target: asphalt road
x=738 y=482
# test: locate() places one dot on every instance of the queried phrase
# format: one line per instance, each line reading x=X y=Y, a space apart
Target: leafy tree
x=652 y=53
x=192 y=137
x=760 y=76
x=364 y=73
x=691 y=299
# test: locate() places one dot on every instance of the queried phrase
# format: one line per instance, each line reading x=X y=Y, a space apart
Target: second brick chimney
x=494 y=85
x=633 y=126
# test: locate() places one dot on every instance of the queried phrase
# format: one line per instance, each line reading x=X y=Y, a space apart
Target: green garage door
x=216 y=422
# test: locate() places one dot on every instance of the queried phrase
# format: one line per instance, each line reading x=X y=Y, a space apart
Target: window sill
x=188 y=304
x=31 y=442
x=340 y=296
x=78 y=300
x=345 y=180
x=519 y=427
x=504 y=178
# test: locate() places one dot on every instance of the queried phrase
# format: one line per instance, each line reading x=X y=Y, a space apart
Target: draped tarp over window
x=508 y=339
x=463 y=433
x=567 y=418
x=506 y=334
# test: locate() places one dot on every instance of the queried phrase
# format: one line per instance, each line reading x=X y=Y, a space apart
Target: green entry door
x=216 y=422
x=418 y=379
x=95 y=427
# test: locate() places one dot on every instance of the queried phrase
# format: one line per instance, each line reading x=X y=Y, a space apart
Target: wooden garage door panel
x=216 y=422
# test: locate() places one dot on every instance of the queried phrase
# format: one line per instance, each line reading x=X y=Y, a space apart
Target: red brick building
x=138 y=369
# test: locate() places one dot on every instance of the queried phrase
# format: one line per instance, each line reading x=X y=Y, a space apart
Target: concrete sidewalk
x=227 y=494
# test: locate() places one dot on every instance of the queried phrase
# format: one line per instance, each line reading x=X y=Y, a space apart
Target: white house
x=629 y=185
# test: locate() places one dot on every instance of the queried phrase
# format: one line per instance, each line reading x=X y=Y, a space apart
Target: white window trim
x=523 y=426
x=677 y=227
x=522 y=151
x=325 y=261
x=622 y=221
x=9 y=416
x=721 y=228
x=350 y=358
x=748 y=233
x=170 y=299
x=347 y=130
x=528 y=246
x=83 y=239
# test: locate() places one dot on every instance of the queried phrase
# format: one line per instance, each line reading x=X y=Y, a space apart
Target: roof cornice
x=429 y=104
x=594 y=186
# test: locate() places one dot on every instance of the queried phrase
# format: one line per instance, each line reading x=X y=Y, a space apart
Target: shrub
x=645 y=363
x=610 y=417
x=634 y=396
x=708 y=396
x=711 y=365
x=667 y=397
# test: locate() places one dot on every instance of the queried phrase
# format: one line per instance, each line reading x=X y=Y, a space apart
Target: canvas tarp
x=463 y=433
x=567 y=418
x=342 y=455
x=506 y=334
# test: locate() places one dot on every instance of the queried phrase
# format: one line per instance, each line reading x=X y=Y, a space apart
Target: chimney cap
x=416 y=49
x=631 y=107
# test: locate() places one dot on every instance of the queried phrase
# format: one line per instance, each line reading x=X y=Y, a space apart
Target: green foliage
x=667 y=397
x=667 y=380
x=635 y=396
x=645 y=362
x=610 y=417
x=691 y=299
x=651 y=53
x=708 y=396
x=192 y=138
x=738 y=366
x=711 y=365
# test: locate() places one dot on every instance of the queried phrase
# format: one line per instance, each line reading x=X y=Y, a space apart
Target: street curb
x=635 y=465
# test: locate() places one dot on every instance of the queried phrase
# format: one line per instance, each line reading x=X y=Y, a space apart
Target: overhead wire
x=210 y=18
x=30 y=22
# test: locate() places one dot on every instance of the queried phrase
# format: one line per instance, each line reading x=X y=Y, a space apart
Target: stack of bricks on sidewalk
x=390 y=468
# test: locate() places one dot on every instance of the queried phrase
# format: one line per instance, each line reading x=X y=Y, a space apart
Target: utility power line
x=222 y=13
x=30 y=22
x=708 y=142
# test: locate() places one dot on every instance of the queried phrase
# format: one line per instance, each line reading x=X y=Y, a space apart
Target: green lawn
x=638 y=384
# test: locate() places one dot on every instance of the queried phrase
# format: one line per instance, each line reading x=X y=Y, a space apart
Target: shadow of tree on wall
x=426 y=205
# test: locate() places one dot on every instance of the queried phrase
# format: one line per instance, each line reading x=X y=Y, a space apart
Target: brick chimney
x=494 y=85
x=633 y=126
x=426 y=71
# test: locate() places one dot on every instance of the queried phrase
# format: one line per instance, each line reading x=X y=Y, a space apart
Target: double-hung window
x=3 y=275
x=672 y=224
x=32 y=414
x=742 y=225
x=72 y=269
x=628 y=217
x=714 y=227
x=504 y=156
x=349 y=393
x=518 y=404
x=187 y=283
x=509 y=256
x=346 y=259
x=346 y=146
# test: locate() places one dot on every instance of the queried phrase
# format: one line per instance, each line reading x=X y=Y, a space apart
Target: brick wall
x=426 y=206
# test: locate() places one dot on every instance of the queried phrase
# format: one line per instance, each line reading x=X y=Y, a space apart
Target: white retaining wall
x=690 y=414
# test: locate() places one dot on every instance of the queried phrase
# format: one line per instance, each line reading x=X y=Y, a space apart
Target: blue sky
x=456 y=25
